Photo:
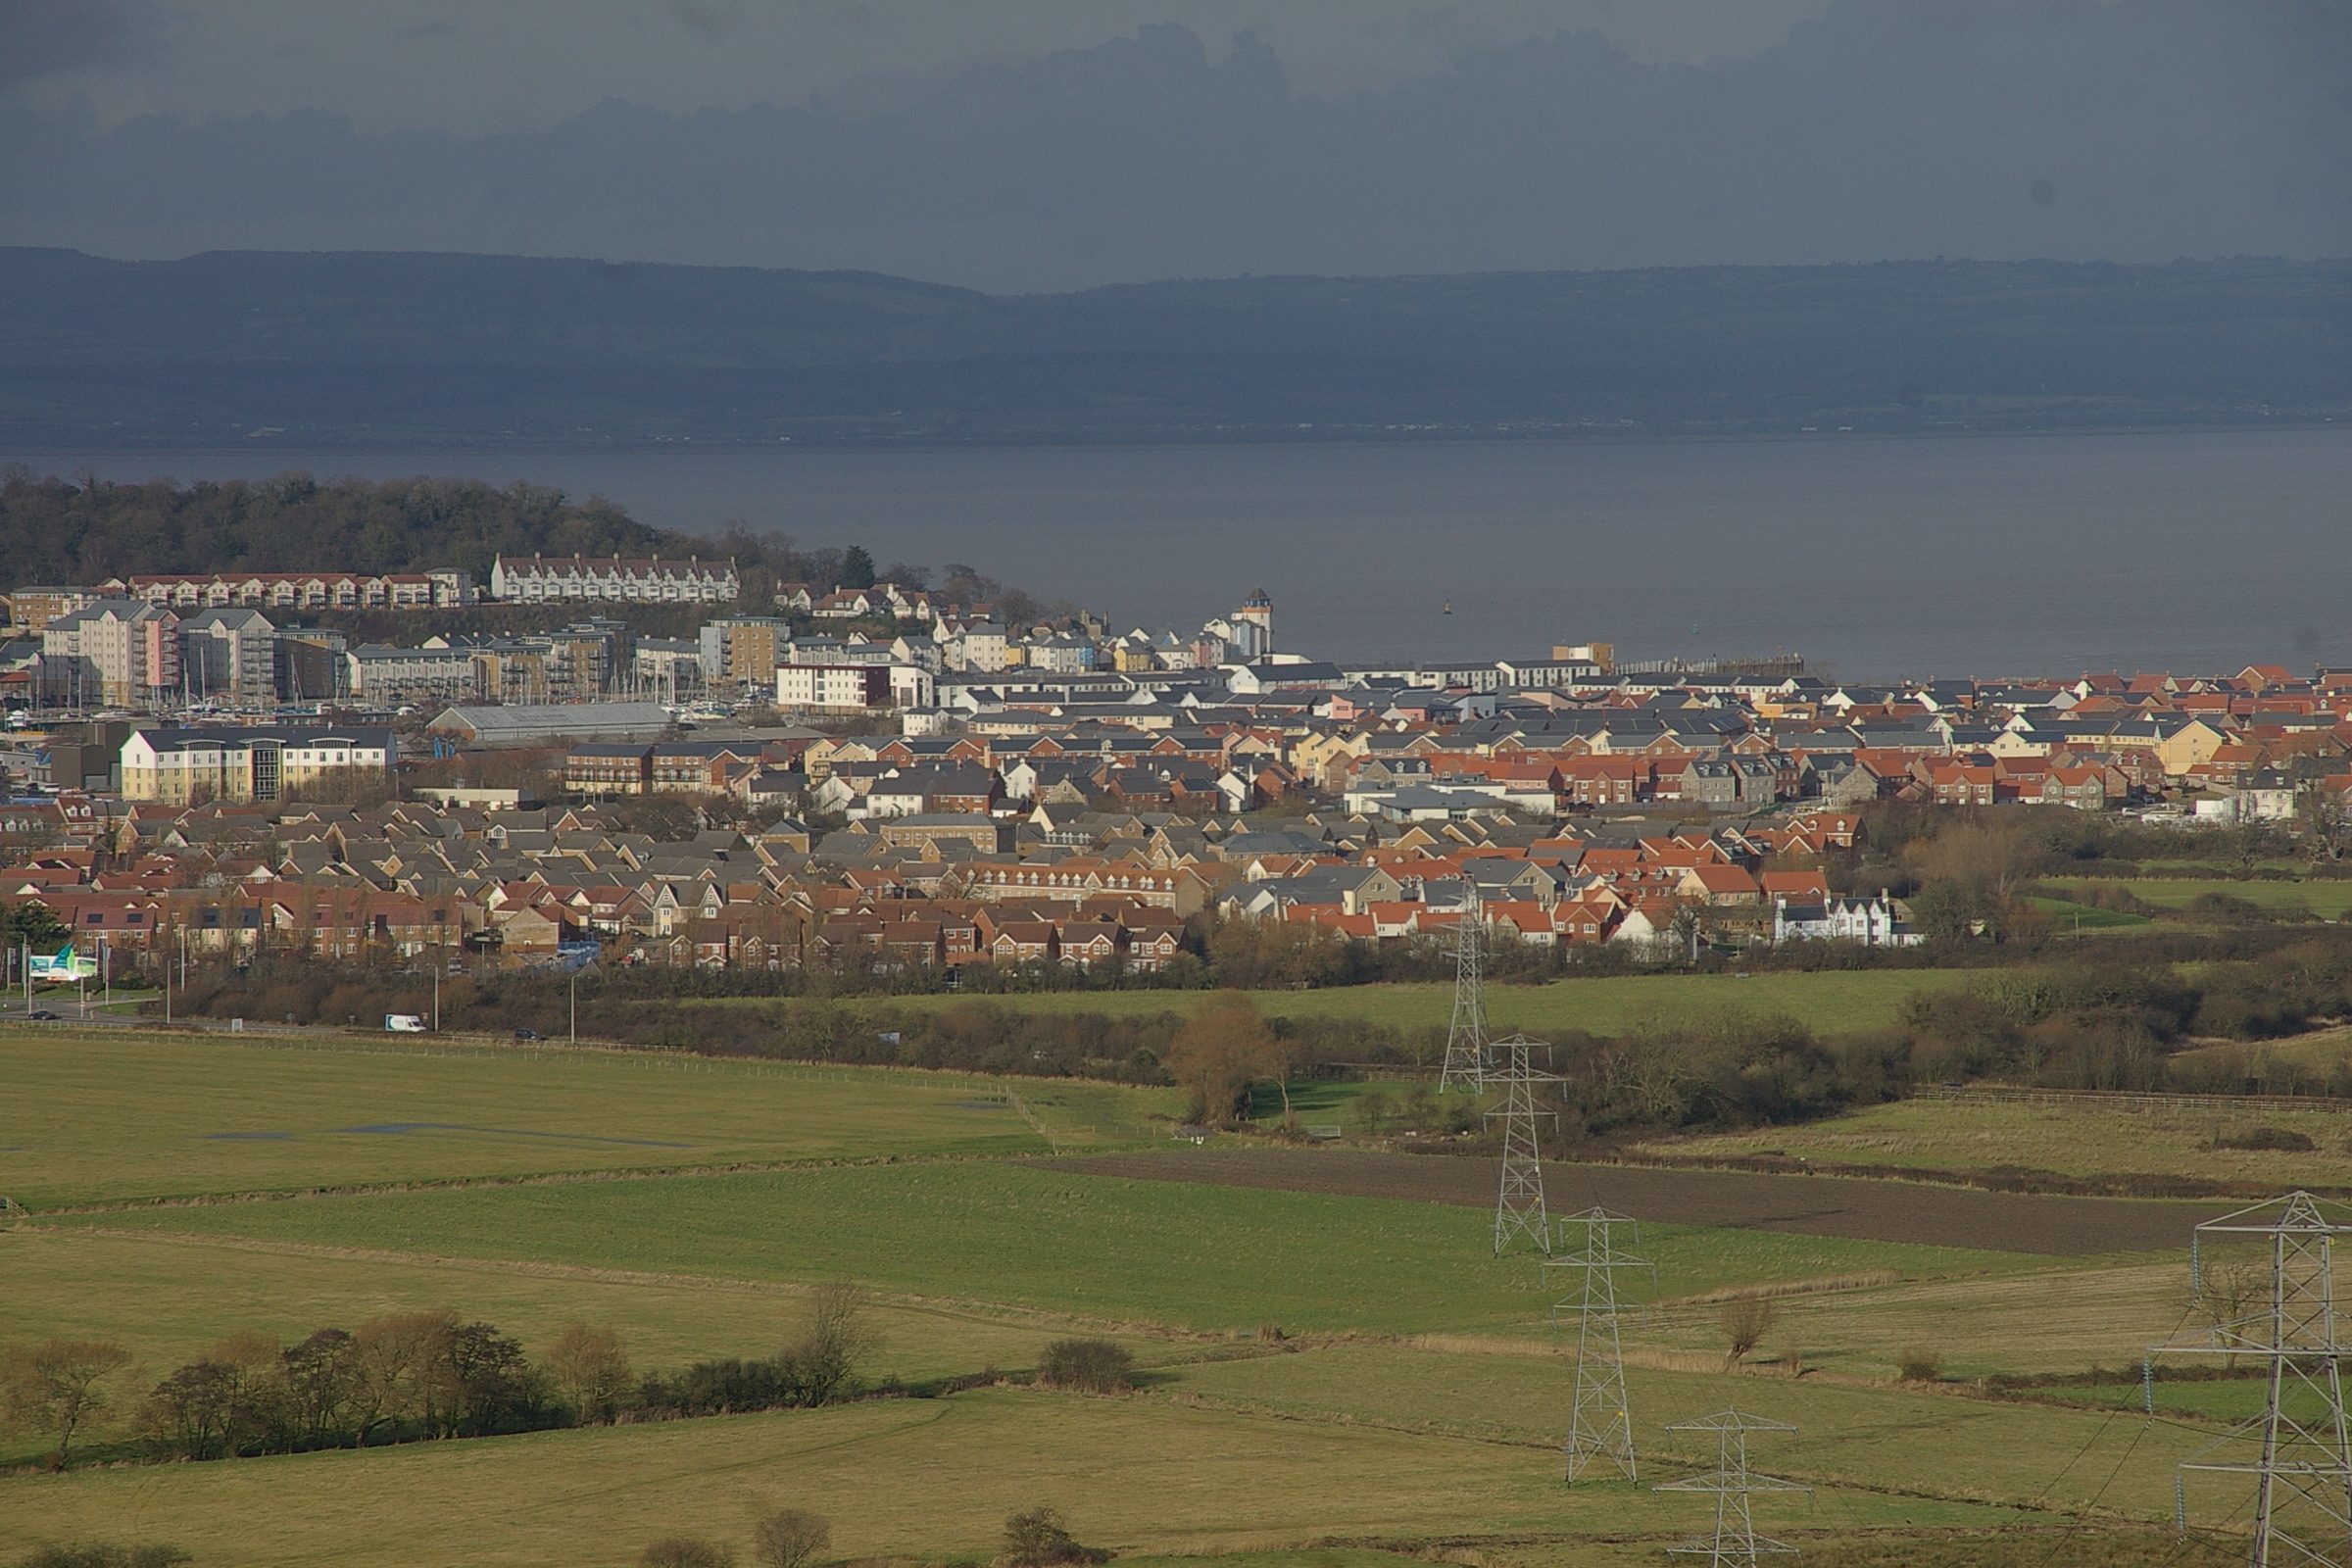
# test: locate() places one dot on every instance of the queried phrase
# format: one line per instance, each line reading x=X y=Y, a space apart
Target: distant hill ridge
x=368 y=347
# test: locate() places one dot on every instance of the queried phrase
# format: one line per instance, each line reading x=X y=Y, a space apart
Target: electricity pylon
x=1466 y=1037
x=2298 y=1449
x=1735 y=1539
x=1519 y=1203
x=1600 y=1420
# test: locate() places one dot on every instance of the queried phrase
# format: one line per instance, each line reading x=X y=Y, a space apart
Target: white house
x=1879 y=922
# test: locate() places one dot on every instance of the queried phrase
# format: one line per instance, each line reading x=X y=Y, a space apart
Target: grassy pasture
x=1425 y=1402
x=2043 y=1320
x=1124 y=1251
x=2067 y=915
x=2321 y=1051
x=216 y=1286
x=167 y=1297
x=1830 y=1001
x=928 y=1477
x=2073 y=1139
x=107 y=1115
x=2329 y=899
x=1956 y=1446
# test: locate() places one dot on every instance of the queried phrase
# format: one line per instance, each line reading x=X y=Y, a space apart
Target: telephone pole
x=1734 y=1540
x=2298 y=1449
x=1519 y=1203
x=1600 y=1420
x=1466 y=1037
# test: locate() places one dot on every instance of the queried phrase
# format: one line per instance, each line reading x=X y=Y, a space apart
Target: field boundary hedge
x=2122 y=1098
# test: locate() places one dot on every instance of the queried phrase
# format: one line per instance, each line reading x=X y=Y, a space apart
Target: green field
x=219 y=1286
x=1828 y=1002
x=1195 y=1255
x=2023 y=1321
x=2319 y=1051
x=1141 y=1475
x=2071 y=1140
x=2330 y=899
x=2068 y=916
x=1413 y=1399
x=111 y=1116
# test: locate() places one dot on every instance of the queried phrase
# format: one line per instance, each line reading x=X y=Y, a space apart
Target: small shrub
x=1271 y=1333
x=684 y=1551
x=790 y=1537
x=1917 y=1364
x=1089 y=1366
x=2268 y=1140
x=1037 y=1538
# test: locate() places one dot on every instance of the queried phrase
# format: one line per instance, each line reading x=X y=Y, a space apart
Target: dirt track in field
x=1808 y=1205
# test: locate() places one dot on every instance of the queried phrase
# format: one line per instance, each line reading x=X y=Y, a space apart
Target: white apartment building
x=650 y=580
x=229 y=656
x=436 y=672
x=187 y=766
x=842 y=687
x=115 y=653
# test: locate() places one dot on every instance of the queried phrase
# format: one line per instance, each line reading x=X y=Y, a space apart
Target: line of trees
x=791 y=1537
x=2113 y=1015
x=418 y=1376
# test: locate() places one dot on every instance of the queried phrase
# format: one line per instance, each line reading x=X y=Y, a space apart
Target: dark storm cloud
x=711 y=20
x=2075 y=130
x=40 y=37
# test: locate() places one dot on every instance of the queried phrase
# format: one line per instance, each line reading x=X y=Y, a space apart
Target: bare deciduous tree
x=684 y=1551
x=1038 y=1537
x=1745 y=1321
x=1220 y=1052
x=2228 y=1291
x=836 y=1336
x=53 y=1387
x=790 y=1537
x=389 y=1362
x=590 y=1371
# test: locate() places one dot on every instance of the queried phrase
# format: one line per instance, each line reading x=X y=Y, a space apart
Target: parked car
x=528 y=1033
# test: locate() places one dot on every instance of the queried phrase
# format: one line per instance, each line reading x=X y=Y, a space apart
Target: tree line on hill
x=85 y=529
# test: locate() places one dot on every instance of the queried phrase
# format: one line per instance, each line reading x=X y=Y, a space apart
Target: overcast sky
x=512 y=65
x=1049 y=144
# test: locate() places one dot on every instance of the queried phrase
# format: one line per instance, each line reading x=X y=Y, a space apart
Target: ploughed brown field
x=1808 y=1205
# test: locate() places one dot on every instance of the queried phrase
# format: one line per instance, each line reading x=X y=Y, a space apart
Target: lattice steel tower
x=1600 y=1420
x=1519 y=1204
x=2298 y=1449
x=1735 y=1539
x=1466 y=1038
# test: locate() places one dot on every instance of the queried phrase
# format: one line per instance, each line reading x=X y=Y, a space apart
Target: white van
x=404 y=1023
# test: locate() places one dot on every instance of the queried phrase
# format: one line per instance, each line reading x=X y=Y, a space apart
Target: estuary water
x=1875 y=557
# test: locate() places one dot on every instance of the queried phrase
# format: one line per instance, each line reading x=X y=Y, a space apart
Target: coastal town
x=884 y=775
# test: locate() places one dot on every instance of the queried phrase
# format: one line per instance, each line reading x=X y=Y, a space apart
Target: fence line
x=2123 y=1098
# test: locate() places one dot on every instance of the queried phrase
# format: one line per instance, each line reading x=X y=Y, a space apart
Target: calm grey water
x=1872 y=556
